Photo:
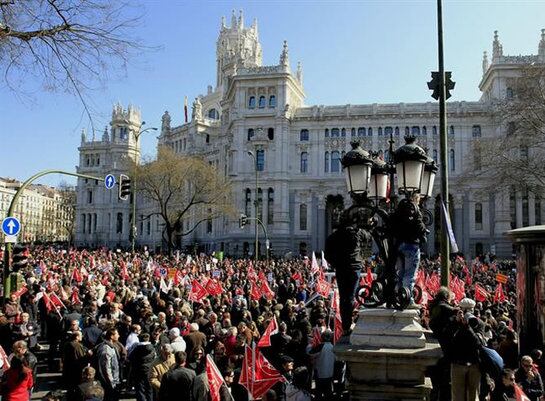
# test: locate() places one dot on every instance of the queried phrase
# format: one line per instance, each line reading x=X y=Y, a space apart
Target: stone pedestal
x=387 y=356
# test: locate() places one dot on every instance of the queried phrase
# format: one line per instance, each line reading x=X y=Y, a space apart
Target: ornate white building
x=298 y=150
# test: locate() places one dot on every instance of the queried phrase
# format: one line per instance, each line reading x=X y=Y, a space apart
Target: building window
x=396 y=131
x=388 y=131
x=94 y=222
x=415 y=131
x=89 y=223
x=476 y=131
x=87 y=161
x=251 y=102
x=261 y=102
x=98 y=160
x=509 y=93
x=270 y=206
x=478 y=216
x=537 y=207
x=304 y=162
x=260 y=163
x=303 y=217
x=83 y=223
x=250 y=133
x=272 y=101
x=119 y=223
x=207 y=138
x=369 y=131
x=379 y=131
x=343 y=132
x=334 y=132
x=352 y=131
x=513 y=207
x=270 y=134
x=326 y=132
x=524 y=152
x=335 y=161
x=361 y=131
x=407 y=130
x=424 y=131
x=303 y=135
x=451 y=130
x=511 y=128
x=434 y=130
x=525 y=209
x=260 y=204
x=89 y=196
x=148 y=228
x=452 y=160
x=248 y=202
x=326 y=162
x=213 y=114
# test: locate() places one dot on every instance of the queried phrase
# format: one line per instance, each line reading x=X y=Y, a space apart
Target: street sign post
x=109 y=181
x=11 y=226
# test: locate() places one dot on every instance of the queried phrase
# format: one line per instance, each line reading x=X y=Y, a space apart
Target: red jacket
x=15 y=390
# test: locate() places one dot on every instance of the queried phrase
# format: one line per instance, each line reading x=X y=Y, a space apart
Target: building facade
x=46 y=214
x=297 y=150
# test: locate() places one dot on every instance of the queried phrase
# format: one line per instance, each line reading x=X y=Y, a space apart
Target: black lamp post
x=370 y=181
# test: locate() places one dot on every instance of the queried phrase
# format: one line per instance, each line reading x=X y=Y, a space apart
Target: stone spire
x=299 y=73
x=485 y=62
x=541 y=49
x=497 y=49
x=233 y=20
x=223 y=25
x=254 y=27
x=83 y=136
x=284 y=56
x=105 y=135
x=240 y=20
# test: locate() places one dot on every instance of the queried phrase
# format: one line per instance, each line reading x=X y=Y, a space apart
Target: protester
x=177 y=383
x=17 y=381
x=89 y=388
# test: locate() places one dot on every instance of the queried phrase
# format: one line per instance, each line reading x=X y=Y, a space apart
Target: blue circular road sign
x=109 y=181
x=11 y=226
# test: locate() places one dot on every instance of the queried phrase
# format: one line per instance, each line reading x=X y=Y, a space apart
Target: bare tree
x=183 y=189
x=513 y=157
x=65 y=45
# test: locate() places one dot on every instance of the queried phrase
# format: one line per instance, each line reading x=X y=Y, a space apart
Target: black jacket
x=408 y=223
x=177 y=384
x=344 y=247
x=141 y=359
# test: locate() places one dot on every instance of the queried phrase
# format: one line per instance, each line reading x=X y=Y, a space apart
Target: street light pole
x=137 y=163
x=445 y=246
x=256 y=247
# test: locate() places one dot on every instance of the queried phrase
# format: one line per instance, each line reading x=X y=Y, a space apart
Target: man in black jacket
x=177 y=384
x=141 y=359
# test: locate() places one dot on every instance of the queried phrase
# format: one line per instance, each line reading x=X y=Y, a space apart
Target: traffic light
x=243 y=220
x=19 y=259
x=435 y=84
x=124 y=187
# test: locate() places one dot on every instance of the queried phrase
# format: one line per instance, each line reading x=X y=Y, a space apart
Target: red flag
x=296 y=276
x=433 y=283
x=257 y=374
x=272 y=328
x=519 y=394
x=480 y=293
x=457 y=286
x=74 y=299
x=316 y=337
x=266 y=290
x=124 y=272
x=499 y=295
x=178 y=277
x=337 y=322
x=215 y=379
x=198 y=292
x=254 y=291
x=314 y=267
x=76 y=275
x=369 y=277
x=4 y=360
x=323 y=287
x=214 y=288
x=20 y=292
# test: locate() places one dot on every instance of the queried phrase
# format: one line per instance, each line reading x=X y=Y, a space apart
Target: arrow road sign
x=109 y=181
x=11 y=226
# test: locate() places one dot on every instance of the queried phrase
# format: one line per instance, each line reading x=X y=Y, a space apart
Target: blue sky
x=353 y=52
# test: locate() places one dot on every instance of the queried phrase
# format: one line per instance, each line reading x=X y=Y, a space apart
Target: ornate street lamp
x=357 y=167
x=379 y=186
x=428 y=178
x=409 y=161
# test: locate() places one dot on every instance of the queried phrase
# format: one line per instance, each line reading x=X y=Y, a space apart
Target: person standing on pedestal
x=343 y=250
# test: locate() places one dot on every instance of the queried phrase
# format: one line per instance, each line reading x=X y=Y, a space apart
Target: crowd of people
x=207 y=327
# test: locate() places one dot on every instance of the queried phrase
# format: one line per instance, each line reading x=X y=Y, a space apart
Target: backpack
x=491 y=362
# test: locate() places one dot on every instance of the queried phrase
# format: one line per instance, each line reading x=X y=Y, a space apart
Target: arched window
x=213 y=114
x=251 y=102
x=118 y=225
x=303 y=217
x=451 y=130
x=388 y=131
x=369 y=131
x=335 y=161
x=407 y=130
x=476 y=131
x=248 y=202
x=343 y=132
x=83 y=223
x=396 y=131
x=326 y=162
x=272 y=101
x=304 y=162
x=270 y=134
x=262 y=101
x=452 y=160
x=250 y=133
x=303 y=135
x=361 y=131
x=434 y=130
x=260 y=204
x=270 y=206
x=478 y=216
x=352 y=131
x=379 y=131
x=509 y=93
x=207 y=138
x=334 y=132
x=435 y=155
x=424 y=131
x=327 y=132
x=260 y=163
x=415 y=131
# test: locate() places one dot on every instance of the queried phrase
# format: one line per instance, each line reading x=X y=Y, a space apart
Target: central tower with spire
x=237 y=47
